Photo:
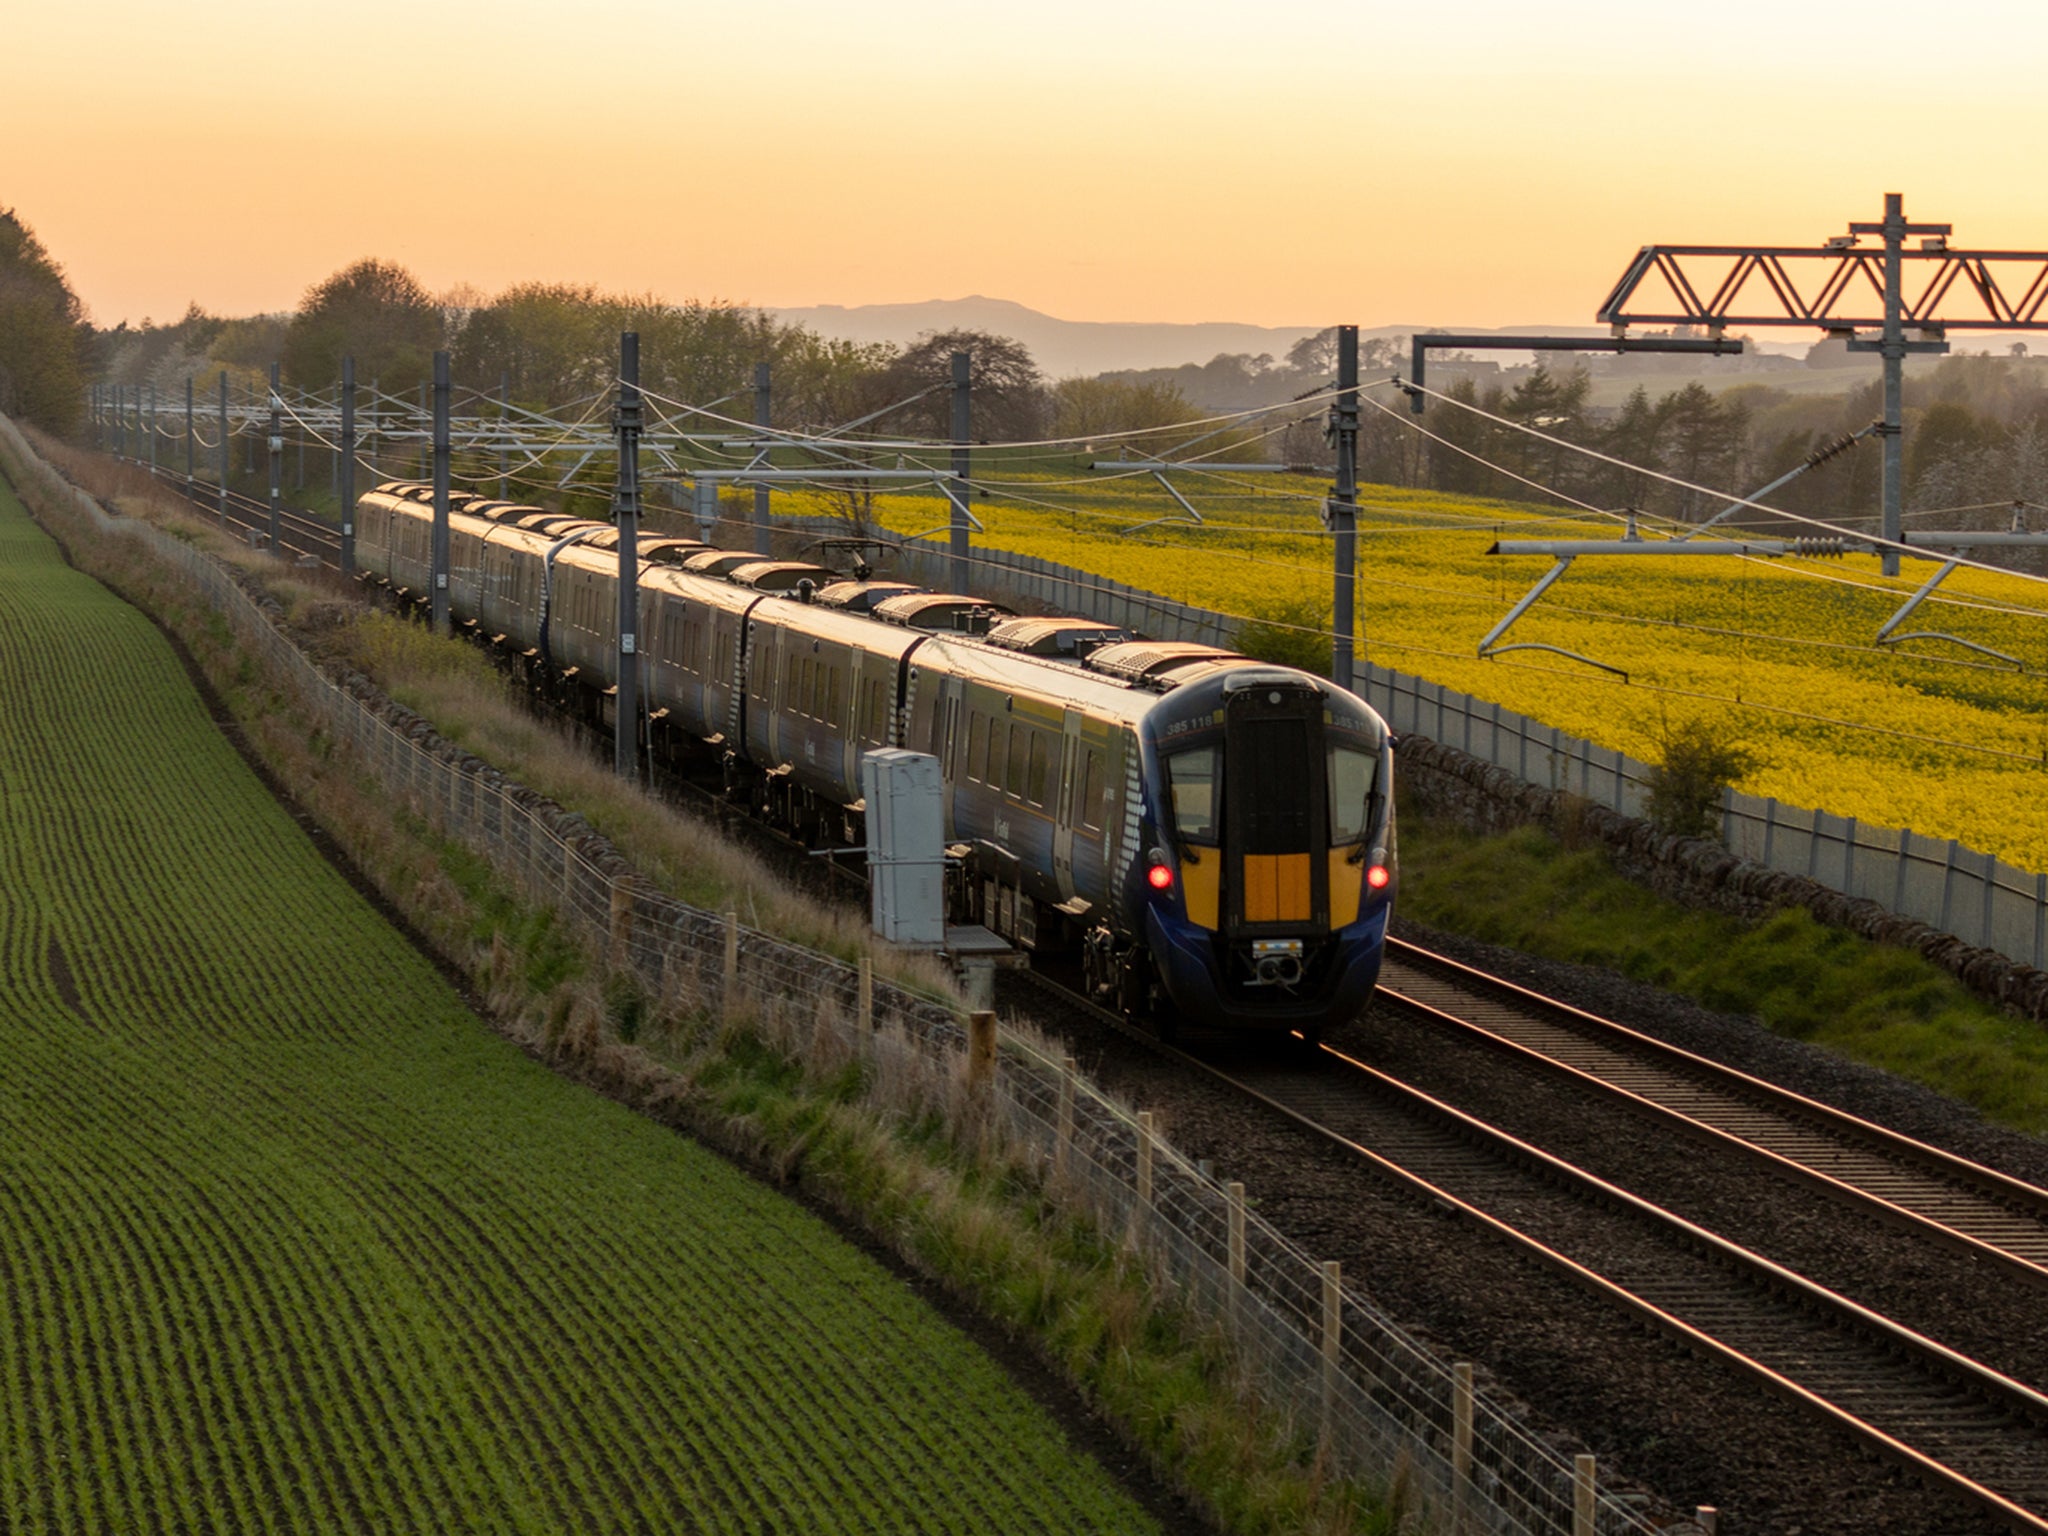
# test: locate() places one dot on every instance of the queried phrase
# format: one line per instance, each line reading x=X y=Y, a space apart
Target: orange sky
x=1294 y=163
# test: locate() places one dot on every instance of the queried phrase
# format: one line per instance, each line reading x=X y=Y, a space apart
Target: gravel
x=1686 y=1430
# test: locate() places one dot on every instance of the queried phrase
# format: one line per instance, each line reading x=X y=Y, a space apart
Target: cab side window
x=1195 y=783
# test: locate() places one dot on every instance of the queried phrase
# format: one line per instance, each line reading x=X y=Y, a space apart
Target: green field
x=290 y=1242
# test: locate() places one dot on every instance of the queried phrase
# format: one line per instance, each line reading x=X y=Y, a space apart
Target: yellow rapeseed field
x=1779 y=653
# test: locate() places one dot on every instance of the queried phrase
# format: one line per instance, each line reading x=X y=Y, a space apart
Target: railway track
x=1953 y=1421
x=301 y=536
x=1936 y=1194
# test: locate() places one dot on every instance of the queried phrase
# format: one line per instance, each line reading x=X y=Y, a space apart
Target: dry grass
x=472 y=705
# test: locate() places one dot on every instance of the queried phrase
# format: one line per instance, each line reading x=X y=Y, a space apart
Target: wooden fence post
x=981 y=1053
x=1141 y=1210
x=867 y=996
x=1461 y=1424
x=621 y=927
x=1583 y=1487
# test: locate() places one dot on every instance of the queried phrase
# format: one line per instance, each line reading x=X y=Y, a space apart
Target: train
x=1209 y=836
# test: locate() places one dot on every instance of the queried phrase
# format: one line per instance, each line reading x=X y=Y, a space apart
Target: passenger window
x=1195 y=782
x=1020 y=755
x=1091 y=791
x=835 y=696
x=977 y=746
x=1351 y=780
x=1036 y=793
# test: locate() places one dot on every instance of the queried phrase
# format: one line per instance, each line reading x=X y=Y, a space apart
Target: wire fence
x=1376 y=1405
x=1938 y=881
x=1957 y=889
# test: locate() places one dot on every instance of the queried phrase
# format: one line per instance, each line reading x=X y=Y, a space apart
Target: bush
x=1700 y=760
x=1292 y=634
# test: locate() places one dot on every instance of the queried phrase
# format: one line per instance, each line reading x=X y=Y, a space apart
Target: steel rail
x=1826 y=1321
x=304 y=534
x=1852 y=1344
x=1943 y=1196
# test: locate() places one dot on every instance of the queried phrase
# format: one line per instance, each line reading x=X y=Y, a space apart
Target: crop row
x=288 y=1241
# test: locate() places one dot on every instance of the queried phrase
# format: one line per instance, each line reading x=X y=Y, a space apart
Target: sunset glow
x=1301 y=163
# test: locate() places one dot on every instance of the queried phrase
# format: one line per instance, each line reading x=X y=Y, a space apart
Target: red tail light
x=1159 y=877
x=1378 y=876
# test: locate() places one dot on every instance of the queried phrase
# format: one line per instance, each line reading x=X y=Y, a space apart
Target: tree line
x=44 y=341
x=1976 y=441
x=1976 y=426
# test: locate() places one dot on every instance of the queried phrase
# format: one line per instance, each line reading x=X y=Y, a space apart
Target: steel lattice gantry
x=1848 y=289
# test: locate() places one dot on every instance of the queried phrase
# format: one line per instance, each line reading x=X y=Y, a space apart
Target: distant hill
x=1062 y=347
x=1065 y=348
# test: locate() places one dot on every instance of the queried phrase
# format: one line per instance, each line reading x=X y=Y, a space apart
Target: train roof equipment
x=1155 y=664
x=1064 y=637
x=656 y=551
x=941 y=611
x=549 y=522
x=780 y=575
x=720 y=562
x=861 y=596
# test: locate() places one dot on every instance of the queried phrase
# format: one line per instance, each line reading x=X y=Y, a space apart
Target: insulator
x=1827 y=451
x=1820 y=547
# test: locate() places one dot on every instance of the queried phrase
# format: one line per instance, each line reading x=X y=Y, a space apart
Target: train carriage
x=821 y=691
x=1212 y=836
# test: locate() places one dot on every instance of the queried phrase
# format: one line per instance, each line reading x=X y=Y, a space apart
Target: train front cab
x=1268 y=873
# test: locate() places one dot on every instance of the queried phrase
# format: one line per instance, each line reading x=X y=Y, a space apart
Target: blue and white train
x=1211 y=835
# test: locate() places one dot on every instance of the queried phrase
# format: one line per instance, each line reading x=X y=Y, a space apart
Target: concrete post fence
x=1977 y=898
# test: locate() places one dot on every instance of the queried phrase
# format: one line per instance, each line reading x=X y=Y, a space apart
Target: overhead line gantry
x=1832 y=287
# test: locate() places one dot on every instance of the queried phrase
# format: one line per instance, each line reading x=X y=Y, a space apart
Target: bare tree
x=1007 y=392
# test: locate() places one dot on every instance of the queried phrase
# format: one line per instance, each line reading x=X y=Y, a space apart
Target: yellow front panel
x=1276 y=888
x=1297 y=888
x=1346 y=881
x=1201 y=886
x=1258 y=889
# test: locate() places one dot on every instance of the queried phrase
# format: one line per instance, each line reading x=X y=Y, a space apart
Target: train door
x=945 y=748
x=1276 y=876
x=1063 y=805
x=850 y=726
